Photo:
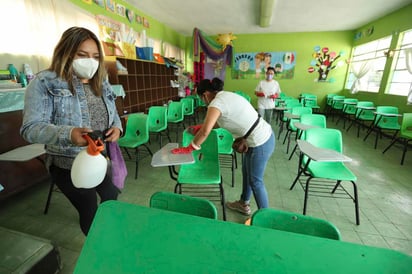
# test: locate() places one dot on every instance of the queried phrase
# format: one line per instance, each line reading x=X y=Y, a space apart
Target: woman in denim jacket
x=65 y=102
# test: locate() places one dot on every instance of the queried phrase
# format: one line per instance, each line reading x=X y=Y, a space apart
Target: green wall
x=391 y=24
x=303 y=44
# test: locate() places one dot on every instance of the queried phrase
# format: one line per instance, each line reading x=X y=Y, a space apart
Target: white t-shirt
x=268 y=88
x=238 y=116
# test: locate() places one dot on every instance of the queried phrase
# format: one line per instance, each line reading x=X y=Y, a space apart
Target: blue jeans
x=253 y=170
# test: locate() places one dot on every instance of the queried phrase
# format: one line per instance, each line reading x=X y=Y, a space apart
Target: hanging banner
x=253 y=65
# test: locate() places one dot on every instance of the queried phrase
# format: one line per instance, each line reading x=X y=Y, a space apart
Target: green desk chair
x=329 y=101
x=348 y=110
x=327 y=176
x=405 y=135
x=316 y=120
x=311 y=100
x=157 y=119
x=289 y=104
x=385 y=124
x=337 y=105
x=175 y=116
x=227 y=156
x=188 y=109
x=291 y=127
x=183 y=204
x=294 y=222
x=136 y=135
x=202 y=178
x=363 y=115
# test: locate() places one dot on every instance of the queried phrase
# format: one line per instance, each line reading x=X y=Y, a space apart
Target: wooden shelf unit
x=146 y=84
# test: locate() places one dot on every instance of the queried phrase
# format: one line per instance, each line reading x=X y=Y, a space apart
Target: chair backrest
x=329 y=99
x=350 y=105
x=388 y=122
x=137 y=127
x=175 y=112
x=206 y=168
x=365 y=114
x=294 y=222
x=337 y=101
x=183 y=204
x=157 y=118
x=325 y=138
x=301 y=110
x=406 y=126
x=188 y=105
x=311 y=100
x=292 y=102
x=318 y=120
x=224 y=141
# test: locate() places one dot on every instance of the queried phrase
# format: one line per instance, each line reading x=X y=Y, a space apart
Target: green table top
x=127 y=238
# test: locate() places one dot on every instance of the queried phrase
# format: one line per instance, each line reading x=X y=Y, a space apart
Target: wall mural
x=253 y=65
x=323 y=62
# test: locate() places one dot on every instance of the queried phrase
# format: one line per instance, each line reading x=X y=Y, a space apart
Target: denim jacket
x=51 y=111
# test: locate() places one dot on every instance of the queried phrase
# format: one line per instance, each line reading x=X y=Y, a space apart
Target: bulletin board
x=253 y=65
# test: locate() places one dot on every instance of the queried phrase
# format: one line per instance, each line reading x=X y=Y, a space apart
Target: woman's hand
x=112 y=134
x=77 y=136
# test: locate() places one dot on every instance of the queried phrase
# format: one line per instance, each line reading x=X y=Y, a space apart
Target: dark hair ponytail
x=217 y=84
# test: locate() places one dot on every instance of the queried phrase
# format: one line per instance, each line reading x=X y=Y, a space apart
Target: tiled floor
x=385 y=194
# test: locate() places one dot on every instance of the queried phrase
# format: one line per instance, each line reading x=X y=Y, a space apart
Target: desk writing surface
x=321 y=154
x=127 y=238
x=291 y=116
x=164 y=157
x=24 y=153
x=303 y=126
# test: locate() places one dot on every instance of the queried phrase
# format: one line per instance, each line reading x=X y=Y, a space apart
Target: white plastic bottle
x=89 y=167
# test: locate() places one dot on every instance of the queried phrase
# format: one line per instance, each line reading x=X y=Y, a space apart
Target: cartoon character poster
x=253 y=65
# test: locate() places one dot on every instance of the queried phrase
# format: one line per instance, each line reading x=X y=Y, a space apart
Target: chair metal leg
x=306 y=195
x=293 y=151
x=46 y=208
x=405 y=149
x=222 y=198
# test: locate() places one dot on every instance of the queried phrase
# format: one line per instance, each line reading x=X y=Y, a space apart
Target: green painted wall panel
x=303 y=44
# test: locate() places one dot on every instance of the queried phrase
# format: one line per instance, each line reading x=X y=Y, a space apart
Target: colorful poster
x=253 y=65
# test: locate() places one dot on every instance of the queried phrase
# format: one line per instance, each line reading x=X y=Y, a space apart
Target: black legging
x=84 y=200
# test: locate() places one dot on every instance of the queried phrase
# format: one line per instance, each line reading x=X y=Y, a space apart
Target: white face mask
x=269 y=77
x=85 y=68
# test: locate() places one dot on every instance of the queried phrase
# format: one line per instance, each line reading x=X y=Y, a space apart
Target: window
x=401 y=79
x=372 y=54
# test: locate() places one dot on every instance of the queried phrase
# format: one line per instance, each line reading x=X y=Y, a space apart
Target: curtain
x=210 y=47
x=408 y=59
x=359 y=69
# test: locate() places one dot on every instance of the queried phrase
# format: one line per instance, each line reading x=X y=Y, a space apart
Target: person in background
x=267 y=91
x=62 y=104
x=234 y=113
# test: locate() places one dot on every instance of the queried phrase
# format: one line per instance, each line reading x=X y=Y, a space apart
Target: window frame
x=371 y=82
x=398 y=67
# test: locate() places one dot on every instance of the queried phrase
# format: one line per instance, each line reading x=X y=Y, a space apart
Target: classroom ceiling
x=243 y=16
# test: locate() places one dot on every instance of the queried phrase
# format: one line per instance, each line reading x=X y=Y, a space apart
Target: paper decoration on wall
x=253 y=65
x=225 y=39
x=129 y=15
x=121 y=10
x=110 y=5
x=323 y=62
x=365 y=33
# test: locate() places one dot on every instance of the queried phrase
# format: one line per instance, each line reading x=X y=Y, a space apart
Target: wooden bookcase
x=146 y=84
